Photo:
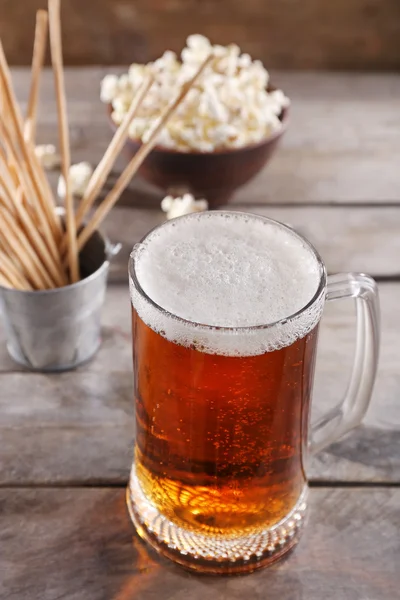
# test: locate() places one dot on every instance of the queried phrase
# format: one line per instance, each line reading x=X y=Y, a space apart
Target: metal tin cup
x=57 y=330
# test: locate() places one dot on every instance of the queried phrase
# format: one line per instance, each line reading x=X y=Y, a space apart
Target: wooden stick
x=30 y=196
x=38 y=57
x=6 y=197
x=11 y=185
x=5 y=150
x=39 y=51
x=58 y=228
x=9 y=175
x=135 y=163
x=30 y=161
x=36 y=241
x=16 y=278
x=57 y=61
x=7 y=181
x=21 y=246
x=105 y=165
x=17 y=169
x=23 y=249
x=19 y=265
x=6 y=283
x=49 y=255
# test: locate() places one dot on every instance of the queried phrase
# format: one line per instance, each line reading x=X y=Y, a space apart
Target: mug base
x=208 y=553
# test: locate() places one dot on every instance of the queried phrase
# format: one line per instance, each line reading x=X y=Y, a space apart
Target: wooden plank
x=362 y=34
x=348 y=238
x=74 y=543
x=333 y=89
x=49 y=422
x=341 y=146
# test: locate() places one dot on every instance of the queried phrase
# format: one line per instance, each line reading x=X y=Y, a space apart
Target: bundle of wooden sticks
x=38 y=249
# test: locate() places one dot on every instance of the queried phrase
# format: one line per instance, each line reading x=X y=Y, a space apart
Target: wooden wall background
x=292 y=34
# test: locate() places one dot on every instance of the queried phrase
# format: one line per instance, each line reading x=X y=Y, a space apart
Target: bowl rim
x=283 y=117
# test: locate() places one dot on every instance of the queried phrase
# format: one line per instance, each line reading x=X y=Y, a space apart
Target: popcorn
x=179 y=206
x=109 y=88
x=229 y=106
x=196 y=40
x=167 y=61
x=223 y=134
x=124 y=83
x=244 y=61
x=48 y=156
x=79 y=177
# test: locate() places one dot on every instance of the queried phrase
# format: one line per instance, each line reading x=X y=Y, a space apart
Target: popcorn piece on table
x=48 y=156
x=79 y=177
x=184 y=205
x=229 y=107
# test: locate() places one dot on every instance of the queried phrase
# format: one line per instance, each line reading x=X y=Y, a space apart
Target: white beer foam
x=226 y=269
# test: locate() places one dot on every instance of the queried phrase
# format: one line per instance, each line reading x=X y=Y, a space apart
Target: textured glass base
x=213 y=554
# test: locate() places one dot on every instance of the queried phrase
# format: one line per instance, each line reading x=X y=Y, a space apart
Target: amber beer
x=225 y=312
x=220 y=440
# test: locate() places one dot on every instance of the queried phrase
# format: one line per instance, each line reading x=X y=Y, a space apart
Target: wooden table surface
x=66 y=440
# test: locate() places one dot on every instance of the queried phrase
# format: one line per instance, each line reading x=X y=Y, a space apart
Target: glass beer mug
x=225 y=314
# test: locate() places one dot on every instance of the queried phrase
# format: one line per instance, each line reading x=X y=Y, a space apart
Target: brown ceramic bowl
x=211 y=175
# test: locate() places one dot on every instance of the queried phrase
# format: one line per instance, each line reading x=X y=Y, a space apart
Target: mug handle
x=349 y=413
